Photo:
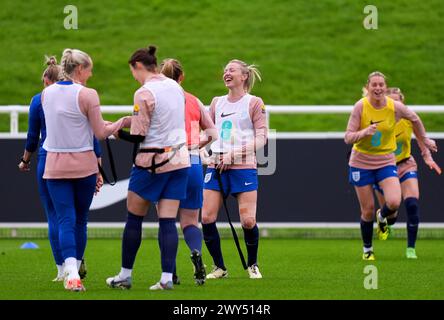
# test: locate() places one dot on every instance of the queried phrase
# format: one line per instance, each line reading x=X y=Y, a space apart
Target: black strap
x=233 y=231
x=156 y=151
x=113 y=167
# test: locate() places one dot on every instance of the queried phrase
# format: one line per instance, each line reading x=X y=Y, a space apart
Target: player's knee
x=393 y=204
x=249 y=223
x=367 y=211
x=208 y=218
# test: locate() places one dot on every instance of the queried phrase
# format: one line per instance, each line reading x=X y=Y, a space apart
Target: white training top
x=233 y=123
x=167 y=125
x=67 y=128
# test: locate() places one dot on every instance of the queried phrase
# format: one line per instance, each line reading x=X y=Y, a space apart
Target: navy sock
x=169 y=240
x=160 y=248
x=132 y=237
x=212 y=240
x=412 y=207
x=391 y=221
x=386 y=211
x=193 y=237
x=252 y=242
x=367 y=233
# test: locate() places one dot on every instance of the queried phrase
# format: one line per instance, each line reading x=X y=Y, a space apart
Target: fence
x=15 y=110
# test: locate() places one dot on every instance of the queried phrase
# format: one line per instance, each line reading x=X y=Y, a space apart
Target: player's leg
x=131 y=240
x=387 y=178
x=189 y=217
x=189 y=223
x=410 y=193
x=172 y=191
x=247 y=210
x=83 y=194
x=51 y=215
x=210 y=209
x=367 y=206
x=62 y=196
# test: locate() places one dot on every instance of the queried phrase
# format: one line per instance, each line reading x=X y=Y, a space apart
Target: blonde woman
x=73 y=117
x=241 y=123
x=408 y=176
x=37 y=129
x=371 y=130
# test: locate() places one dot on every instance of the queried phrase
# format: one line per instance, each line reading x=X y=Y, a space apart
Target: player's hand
x=369 y=131
x=24 y=167
x=224 y=161
x=99 y=183
x=433 y=166
x=205 y=157
x=431 y=145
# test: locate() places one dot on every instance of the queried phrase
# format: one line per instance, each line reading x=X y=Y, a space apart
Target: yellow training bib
x=383 y=141
x=403 y=134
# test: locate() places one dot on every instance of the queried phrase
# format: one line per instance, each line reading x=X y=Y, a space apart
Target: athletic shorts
x=362 y=177
x=194 y=196
x=234 y=181
x=154 y=187
x=407 y=175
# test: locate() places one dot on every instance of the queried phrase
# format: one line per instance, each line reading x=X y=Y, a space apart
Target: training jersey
x=167 y=125
x=159 y=116
x=78 y=164
x=242 y=128
x=196 y=118
x=68 y=129
x=403 y=134
x=192 y=119
x=383 y=141
x=355 y=132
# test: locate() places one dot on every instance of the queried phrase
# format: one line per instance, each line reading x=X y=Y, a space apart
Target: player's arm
x=207 y=125
x=427 y=157
x=90 y=105
x=352 y=133
x=402 y=112
x=141 y=118
x=32 y=138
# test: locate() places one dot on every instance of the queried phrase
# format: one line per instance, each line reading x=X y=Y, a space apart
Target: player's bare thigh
x=247 y=208
x=212 y=201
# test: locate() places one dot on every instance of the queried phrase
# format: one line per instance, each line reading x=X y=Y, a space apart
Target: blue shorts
x=363 y=177
x=194 y=197
x=154 y=187
x=234 y=181
x=407 y=175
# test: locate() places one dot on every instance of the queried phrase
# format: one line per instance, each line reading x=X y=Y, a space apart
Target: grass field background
x=309 y=52
x=292 y=269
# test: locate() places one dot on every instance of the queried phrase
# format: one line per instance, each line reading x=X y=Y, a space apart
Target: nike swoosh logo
x=248 y=183
x=226 y=115
x=374 y=122
x=398 y=135
x=110 y=195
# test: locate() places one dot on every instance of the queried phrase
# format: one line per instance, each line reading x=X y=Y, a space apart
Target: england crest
x=356 y=176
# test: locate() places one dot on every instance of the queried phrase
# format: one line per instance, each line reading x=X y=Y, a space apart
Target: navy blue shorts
x=194 y=197
x=154 y=187
x=234 y=181
x=407 y=175
x=363 y=177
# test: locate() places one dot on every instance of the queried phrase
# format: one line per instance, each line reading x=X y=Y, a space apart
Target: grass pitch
x=292 y=269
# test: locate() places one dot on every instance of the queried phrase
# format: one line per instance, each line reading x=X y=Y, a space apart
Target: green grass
x=309 y=52
x=292 y=269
